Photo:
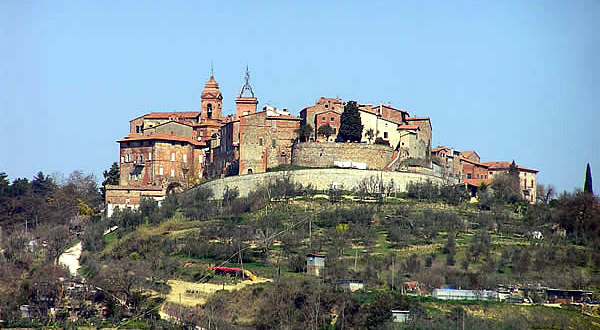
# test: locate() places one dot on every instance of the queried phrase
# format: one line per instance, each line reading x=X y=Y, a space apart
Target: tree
x=370 y=134
x=304 y=132
x=506 y=186
x=111 y=177
x=587 y=186
x=350 y=126
x=325 y=130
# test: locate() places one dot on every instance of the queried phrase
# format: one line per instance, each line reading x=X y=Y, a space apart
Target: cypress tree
x=350 y=125
x=587 y=186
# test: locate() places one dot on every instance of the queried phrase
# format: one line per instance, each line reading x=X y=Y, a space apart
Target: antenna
x=212 y=71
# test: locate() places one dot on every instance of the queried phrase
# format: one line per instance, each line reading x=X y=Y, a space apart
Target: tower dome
x=211 y=89
x=211 y=99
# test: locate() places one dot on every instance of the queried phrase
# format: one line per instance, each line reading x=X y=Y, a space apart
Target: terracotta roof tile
x=503 y=165
x=159 y=136
x=477 y=182
x=180 y=114
x=472 y=161
x=405 y=127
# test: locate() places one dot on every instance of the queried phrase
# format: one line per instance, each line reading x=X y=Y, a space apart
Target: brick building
x=468 y=168
x=331 y=118
x=166 y=150
x=310 y=115
x=527 y=178
x=266 y=140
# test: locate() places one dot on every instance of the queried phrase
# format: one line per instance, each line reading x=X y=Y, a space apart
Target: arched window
x=209 y=110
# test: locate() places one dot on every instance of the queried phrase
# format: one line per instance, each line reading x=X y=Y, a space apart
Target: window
x=160 y=171
x=149 y=156
x=141 y=158
x=332 y=119
x=172 y=156
x=326 y=106
x=127 y=158
x=122 y=159
x=385 y=135
x=172 y=172
x=324 y=118
x=468 y=175
x=334 y=130
x=130 y=176
x=273 y=143
x=137 y=128
x=200 y=158
x=260 y=142
x=209 y=110
x=185 y=158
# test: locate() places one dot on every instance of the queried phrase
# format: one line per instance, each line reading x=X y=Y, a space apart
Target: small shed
x=315 y=264
x=400 y=316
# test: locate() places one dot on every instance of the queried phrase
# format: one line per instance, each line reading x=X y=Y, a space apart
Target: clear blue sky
x=512 y=79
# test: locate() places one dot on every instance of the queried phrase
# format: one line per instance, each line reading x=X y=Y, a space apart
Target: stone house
x=331 y=118
x=527 y=178
x=324 y=104
x=266 y=140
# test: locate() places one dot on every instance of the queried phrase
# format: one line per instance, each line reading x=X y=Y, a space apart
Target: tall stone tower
x=211 y=100
x=246 y=103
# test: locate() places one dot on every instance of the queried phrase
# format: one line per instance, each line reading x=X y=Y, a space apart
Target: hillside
x=241 y=262
x=441 y=240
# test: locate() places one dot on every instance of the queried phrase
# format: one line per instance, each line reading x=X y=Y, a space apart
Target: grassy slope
x=180 y=227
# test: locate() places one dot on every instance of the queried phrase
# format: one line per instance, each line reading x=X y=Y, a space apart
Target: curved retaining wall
x=319 y=178
x=323 y=154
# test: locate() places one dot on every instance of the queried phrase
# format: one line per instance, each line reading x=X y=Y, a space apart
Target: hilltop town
x=177 y=150
x=344 y=216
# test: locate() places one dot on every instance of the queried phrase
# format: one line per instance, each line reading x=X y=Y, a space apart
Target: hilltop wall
x=319 y=178
x=323 y=154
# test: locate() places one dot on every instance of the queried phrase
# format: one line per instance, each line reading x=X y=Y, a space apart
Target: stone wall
x=323 y=154
x=320 y=179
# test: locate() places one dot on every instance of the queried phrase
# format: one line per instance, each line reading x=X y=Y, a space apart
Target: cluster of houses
x=315 y=266
x=179 y=149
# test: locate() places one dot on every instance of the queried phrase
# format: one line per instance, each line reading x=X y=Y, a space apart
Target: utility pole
x=310 y=233
x=393 y=270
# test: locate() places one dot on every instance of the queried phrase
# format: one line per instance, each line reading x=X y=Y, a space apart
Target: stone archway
x=174 y=187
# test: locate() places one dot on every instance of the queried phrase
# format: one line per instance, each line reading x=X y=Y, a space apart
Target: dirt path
x=70 y=258
x=192 y=294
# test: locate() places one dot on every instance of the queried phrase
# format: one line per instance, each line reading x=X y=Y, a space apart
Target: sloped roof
x=472 y=162
x=477 y=182
x=407 y=127
x=170 y=114
x=160 y=136
x=503 y=165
